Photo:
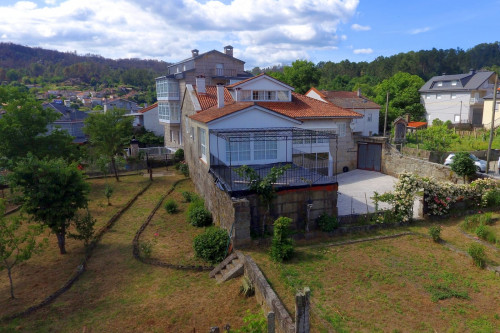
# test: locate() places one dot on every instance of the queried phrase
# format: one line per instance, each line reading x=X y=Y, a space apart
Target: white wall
x=447 y=108
x=152 y=123
x=364 y=126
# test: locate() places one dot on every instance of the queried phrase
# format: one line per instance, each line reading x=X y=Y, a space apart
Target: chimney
x=228 y=50
x=238 y=94
x=220 y=96
x=194 y=52
x=359 y=92
x=200 y=84
x=472 y=71
x=407 y=118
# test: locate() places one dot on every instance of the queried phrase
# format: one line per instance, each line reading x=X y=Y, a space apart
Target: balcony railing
x=223 y=72
x=476 y=101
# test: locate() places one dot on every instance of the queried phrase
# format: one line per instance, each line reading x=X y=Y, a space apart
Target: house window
x=457 y=118
x=192 y=133
x=439 y=96
x=202 y=143
x=341 y=129
x=369 y=117
x=238 y=150
x=265 y=148
x=219 y=69
x=169 y=111
x=453 y=95
x=454 y=82
x=440 y=84
x=265 y=95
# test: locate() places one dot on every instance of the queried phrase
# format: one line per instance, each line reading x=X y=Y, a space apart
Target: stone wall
x=395 y=163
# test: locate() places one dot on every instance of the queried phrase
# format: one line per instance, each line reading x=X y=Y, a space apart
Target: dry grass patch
x=402 y=284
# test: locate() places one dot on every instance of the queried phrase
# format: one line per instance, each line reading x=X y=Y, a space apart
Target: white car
x=480 y=164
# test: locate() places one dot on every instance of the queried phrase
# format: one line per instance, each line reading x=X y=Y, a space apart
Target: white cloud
x=358 y=27
x=263 y=31
x=419 y=30
x=363 y=51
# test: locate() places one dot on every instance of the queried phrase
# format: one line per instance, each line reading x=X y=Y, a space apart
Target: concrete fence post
x=302 y=308
x=270 y=322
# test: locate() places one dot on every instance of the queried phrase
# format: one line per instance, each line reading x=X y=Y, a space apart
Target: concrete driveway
x=356 y=189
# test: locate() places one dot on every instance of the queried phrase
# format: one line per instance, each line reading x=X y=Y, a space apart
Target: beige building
x=210 y=68
x=488 y=107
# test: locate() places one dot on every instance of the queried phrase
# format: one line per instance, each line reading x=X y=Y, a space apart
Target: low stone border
x=361 y=240
x=133 y=173
x=13 y=210
x=155 y=262
x=83 y=264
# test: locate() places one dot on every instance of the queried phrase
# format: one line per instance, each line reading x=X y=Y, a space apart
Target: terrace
x=305 y=151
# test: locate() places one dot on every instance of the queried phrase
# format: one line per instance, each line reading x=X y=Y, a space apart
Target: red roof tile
x=301 y=107
x=348 y=99
x=148 y=108
x=416 y=124
x=209 y=99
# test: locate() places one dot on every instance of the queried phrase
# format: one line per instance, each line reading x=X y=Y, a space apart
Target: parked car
x=480 y=164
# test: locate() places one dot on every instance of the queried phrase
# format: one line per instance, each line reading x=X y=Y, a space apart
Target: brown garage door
x=369 y=156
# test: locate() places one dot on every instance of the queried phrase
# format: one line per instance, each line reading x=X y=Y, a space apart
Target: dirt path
x=118 y=293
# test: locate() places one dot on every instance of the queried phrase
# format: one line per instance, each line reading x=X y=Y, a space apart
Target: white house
x=458 y=98
x=367 y=125
x=148 y=117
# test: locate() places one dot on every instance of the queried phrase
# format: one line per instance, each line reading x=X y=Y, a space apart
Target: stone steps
x=229 y=268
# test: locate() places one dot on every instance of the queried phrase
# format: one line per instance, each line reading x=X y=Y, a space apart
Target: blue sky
x=262 y=32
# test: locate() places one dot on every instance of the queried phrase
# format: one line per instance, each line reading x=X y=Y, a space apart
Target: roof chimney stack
x=472 y=71
x=194 y=52
x=200 y=84
x=220 y=96
x=359 y=92
x=228 y=50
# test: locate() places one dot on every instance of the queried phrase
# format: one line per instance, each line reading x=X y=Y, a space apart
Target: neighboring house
x=355 y=101
x=414 y=126
x=216 y=67
x=121 y=103
x=70 y=120
x=458 y=98
x=488 y=106
x=148 y=118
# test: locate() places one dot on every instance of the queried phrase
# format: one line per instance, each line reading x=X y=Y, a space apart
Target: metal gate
x=369 y=156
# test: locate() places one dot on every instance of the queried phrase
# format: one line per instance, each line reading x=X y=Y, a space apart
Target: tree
x=437 y=137
x=263 y=186
x=463 y=165
x=17 y=244
x=302 y=75
x=109 y=134
x=404 y=97
x=52 y=192
x=23 y=130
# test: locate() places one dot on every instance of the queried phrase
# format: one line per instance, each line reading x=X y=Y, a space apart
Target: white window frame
x=268 y=147
x=238 y=151
x=202 y=143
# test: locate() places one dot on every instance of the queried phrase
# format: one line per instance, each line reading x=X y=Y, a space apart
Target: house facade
x=368 y=125
x=70 y=120
x=488 y=108
x=148 y=118
x=214 y=66
x=458 y=98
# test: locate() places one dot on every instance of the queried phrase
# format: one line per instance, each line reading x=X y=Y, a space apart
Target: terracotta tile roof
x=148 y=108
x=416 y=124
x=348 y=99
x=216 y=113
x=209 y=99
x=301 y=107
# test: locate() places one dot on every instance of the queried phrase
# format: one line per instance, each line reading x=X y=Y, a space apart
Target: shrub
x=327 y=223
x=253 y=323
x=486 y=218
x=476 y=251
x=184 y=169
x=146 y=248
x=492 y=198
x=171 y=206
x=481 y=231
x=247 y=289
x=211 y=245
x=471 y=222
x=282 y=243
x=198 y=215
x=189 y=196
x=179 y=154
x=435 y=233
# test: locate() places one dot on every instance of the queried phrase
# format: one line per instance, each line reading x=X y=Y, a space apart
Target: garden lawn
x=46 y=272
x=120 y=294
x=402 y=284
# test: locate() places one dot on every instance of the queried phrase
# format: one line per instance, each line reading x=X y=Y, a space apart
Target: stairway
x=229 y=268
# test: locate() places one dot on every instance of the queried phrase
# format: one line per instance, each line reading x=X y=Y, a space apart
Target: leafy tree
x=302 y=75
x=84 y=225
x=263 y=186
x=108 y=192
x=17 y=244
x=52 y=192
x=109 y=134
x=437 y=137
x=23 y=130
x=282 y=243
x=404 y=97
x=463 y=165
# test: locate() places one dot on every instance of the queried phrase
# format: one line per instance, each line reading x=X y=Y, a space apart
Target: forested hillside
x=36 y=65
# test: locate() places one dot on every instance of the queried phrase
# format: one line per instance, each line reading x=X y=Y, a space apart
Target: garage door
x=369 y=156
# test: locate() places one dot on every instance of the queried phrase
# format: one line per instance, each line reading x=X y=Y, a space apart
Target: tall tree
x=52 y=192
x=109 y=134
x=302 y=75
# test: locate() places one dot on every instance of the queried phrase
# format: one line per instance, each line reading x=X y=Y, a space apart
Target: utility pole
x=386 y=108
x=492 y=127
